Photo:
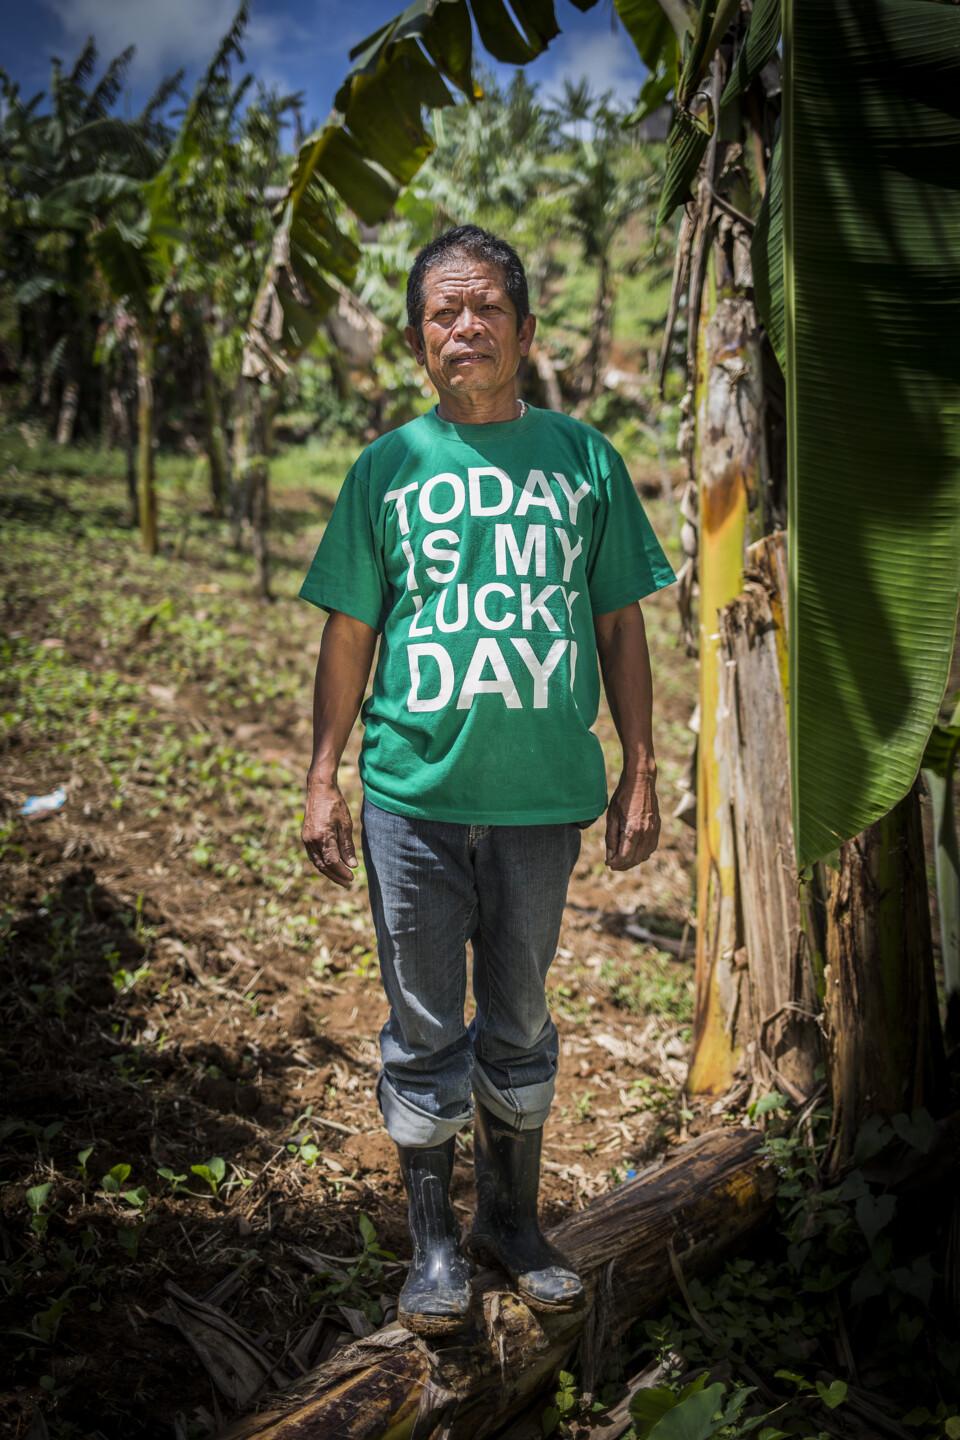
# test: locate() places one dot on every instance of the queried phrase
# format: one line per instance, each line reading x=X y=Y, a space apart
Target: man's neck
x=482 y=409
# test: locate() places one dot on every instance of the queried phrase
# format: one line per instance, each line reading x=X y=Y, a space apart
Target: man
x=496 y=549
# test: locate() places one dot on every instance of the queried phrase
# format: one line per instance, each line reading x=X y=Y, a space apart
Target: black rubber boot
x=435 y=1298
x=506 y=1231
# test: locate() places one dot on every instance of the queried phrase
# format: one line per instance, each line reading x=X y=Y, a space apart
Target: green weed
x=566 y=1000
x=302 y=1144
x=359 y=1281
x=583 y=1106
x=176 y=1182
x=568 y=1406
x=649 y=984
x=212 y=1172
x=36 y=1198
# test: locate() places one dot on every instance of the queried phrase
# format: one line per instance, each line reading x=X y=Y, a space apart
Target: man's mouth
x=468 y=357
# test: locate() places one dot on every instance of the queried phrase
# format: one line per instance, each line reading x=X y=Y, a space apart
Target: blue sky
x=295 y=44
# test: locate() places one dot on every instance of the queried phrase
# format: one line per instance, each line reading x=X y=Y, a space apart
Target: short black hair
x=479 y=245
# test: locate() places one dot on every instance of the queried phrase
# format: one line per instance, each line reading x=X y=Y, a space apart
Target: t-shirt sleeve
x=626 y=560
x=346 y=573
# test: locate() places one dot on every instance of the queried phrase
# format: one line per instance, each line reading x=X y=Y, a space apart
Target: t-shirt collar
x=472 y=434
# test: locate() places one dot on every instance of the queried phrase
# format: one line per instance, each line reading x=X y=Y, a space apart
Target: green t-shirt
x=482 y=553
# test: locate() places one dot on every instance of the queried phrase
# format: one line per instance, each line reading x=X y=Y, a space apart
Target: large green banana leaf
x=871 y=216
x=648 y=24
x=759 y=45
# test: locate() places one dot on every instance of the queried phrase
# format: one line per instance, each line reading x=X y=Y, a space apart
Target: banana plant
x=136 y=253
x=61 y=169
x=848 y=236
x=602 y=194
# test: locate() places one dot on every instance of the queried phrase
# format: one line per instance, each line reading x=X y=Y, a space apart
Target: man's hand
x=327 y=832
x=633 y=821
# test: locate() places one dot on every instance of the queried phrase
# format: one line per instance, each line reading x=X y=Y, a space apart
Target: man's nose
x=467 y=323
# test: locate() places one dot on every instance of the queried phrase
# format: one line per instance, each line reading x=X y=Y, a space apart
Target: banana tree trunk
x=258 y=474
x=548 y=377
x=599 y=328
x=684 y=1215
x=947 y=869
x=215 y=440
x=108 y=419
x=69 y=405
x=146 y=488
x=776 y=1022
x=884 y=1043
x=239 y=504
x=946 y=853
x=124 y=425
x=629 y=1245
x=728 y=447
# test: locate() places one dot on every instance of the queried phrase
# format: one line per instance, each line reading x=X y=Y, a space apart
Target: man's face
x=470 y=344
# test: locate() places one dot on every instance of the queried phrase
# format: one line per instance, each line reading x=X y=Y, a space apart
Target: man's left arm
x=633 y=815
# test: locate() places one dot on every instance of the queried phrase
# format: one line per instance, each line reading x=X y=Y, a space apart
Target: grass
x=652 y=983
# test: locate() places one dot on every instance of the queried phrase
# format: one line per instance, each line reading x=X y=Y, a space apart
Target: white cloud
x=166 y=33
x=607 y=61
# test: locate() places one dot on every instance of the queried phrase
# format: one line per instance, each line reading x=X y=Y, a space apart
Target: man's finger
x=626 y=852
x=636 y=846
x=613 y=832
x=339 y=876
x=345 y=841
x=336 y=871
x=333 y=864
x=324 y=853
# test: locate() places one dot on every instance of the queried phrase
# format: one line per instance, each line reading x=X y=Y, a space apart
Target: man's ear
x=415 y=343
x=526 y=333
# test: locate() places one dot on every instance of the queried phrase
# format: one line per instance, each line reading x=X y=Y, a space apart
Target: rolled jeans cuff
x=524 y=1108
x=407 y=1124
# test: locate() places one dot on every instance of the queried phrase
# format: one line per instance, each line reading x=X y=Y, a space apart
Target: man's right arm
x=343 y=668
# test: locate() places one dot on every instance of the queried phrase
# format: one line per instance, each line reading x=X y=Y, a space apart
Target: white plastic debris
x=44 y=804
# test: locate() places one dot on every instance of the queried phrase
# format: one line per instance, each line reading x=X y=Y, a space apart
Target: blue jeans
x=434 y=886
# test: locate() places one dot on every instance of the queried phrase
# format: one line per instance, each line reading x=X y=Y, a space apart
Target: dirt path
x=183 y=991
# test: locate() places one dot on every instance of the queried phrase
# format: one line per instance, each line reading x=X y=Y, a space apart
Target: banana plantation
x=746 y=277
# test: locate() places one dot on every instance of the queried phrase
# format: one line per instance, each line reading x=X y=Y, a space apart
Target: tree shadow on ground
x=678 y=936
x=53 y=512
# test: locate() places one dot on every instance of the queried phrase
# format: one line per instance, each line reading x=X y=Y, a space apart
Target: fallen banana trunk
x=700 y=1204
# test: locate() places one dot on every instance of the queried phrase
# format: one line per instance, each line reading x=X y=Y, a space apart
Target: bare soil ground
x=182 y=990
